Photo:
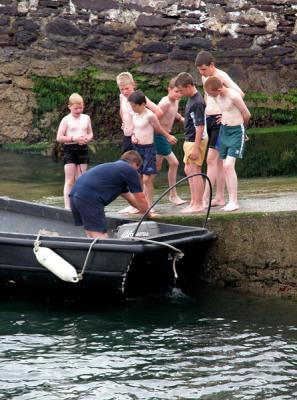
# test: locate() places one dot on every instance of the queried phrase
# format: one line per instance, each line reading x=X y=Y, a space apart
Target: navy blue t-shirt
x=194 y=116
x=106 y=182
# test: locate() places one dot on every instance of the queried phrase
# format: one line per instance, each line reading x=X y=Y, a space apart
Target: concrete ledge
x=254 y=252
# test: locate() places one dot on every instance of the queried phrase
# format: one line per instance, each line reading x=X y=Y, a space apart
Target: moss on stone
x=100 y=92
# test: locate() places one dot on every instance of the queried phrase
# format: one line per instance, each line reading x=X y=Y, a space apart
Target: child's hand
x=82 y=140
x=134 y=139
x=219 y=119
x=194 y=155
x=172 y=139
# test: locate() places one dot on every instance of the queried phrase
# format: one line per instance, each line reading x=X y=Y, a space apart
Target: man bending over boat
x=102 y=184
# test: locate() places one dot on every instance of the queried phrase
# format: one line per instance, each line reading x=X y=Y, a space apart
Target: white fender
x=56 y=264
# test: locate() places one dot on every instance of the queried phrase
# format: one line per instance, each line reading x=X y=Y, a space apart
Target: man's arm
x=137 y=200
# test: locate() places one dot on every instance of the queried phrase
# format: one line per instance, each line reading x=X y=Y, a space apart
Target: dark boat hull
x=115 y=268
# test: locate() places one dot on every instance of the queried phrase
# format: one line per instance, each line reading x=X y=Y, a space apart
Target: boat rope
x=178 y=253
x=80 y=274
x=37 y=243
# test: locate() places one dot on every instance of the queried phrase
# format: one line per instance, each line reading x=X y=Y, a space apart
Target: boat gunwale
x=114 y=245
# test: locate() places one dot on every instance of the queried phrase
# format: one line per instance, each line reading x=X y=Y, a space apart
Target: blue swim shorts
x=148 y=154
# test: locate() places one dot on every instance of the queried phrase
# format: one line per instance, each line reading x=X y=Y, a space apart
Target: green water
x=212 y=345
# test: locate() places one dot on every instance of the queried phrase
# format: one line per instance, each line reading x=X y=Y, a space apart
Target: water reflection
x=30 y=176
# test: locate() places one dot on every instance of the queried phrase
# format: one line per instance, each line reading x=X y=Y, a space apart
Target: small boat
x=43 y=255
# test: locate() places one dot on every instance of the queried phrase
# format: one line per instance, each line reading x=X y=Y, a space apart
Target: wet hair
x=137 y=97
x=184 y=79
x=204 y=58
x=125 y=78
x=75 y=98
x=213 y=83
x=132 y=156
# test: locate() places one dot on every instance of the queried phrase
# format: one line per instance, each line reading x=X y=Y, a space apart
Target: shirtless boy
x=232 y=134
x=206 y=66
x=196 y=139
x=169 y=106
x=75 y=131
x=145 y=123
x=127 y=86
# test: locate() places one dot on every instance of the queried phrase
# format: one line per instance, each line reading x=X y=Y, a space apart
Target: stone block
x=178 y=54
x=24 y=38
x=14 y=68
x=154 y=47
x=95 y=5
x=289 y=61
x=23 y=82
x=277 y=51
x=235 y=43
x=118 y=30
x=195 y=43
x=10 y=10
x=53 y=4
x=62 y=27
x=27 y=24
x=154 y=21
x=251 y=31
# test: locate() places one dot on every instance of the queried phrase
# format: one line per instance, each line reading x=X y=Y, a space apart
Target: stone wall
x=255 y=253
x=255 y=41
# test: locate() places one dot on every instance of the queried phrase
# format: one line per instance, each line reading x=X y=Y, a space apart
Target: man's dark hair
x=132 y=156
x=137 y=97
x=204 y=58
x=184 y=79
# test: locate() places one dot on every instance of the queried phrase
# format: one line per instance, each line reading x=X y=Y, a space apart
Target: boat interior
x=21 y=217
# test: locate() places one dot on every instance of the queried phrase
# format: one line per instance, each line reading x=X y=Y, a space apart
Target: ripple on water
x=155 y=349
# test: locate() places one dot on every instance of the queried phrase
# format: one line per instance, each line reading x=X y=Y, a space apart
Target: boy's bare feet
x=154 y=214
x=192 y=209
x=177 y=200
x=230 y=207
x=216 y=202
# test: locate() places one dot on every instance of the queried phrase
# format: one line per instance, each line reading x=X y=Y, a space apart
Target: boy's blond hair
x=125 y=78
x=172 y=83
x=75 y=98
